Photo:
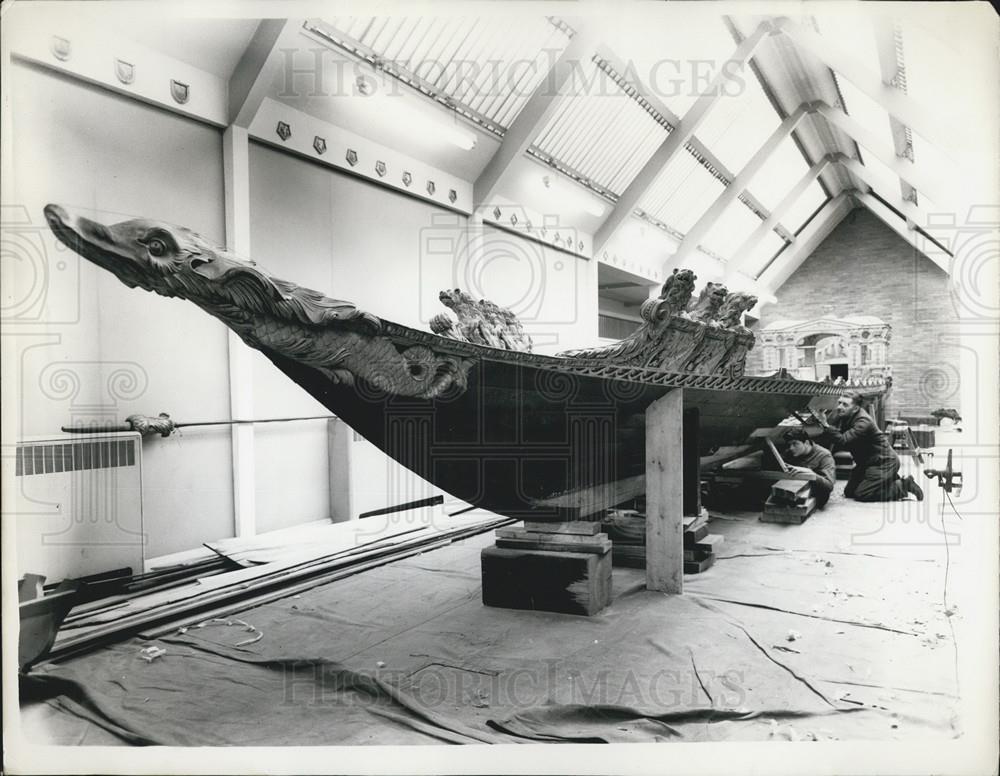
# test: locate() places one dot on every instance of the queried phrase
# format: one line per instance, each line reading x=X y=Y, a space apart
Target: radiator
x=78 y=504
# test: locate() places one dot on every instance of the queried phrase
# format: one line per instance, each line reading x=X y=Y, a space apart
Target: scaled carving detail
x=481 y=323
x=683 y=336
x=268 y=313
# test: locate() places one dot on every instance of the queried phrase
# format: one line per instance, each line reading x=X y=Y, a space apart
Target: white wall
x=100 y=351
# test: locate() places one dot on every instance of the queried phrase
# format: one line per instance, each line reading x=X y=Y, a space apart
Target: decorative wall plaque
x=180 y=92
x=61 y=48
x=319 y=144
x=124 y=71
x=284 y=130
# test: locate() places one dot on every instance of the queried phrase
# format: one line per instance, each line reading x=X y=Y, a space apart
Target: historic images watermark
x=438 y=685
x=319 y=72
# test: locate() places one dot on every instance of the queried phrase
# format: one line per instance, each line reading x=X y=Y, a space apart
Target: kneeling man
x=876 y=466
x=804 y=455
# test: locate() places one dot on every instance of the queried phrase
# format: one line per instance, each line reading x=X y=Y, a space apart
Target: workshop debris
x=149 y=654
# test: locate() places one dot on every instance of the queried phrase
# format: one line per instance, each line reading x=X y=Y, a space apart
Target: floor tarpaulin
x=796 y=633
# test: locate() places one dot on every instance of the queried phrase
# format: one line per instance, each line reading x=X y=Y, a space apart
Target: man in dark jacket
x=876 y=466
x=805 y=455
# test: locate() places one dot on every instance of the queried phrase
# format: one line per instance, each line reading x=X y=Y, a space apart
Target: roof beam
x=897 y=104
x=650 y=96
x=710 y=217
x=903 y=168
x=906 y=207
x=252 y=77
x=532 y=117
x=885 y=42
x=806 y=242
x=675 y=141
x=749 y=246
x=900 y=226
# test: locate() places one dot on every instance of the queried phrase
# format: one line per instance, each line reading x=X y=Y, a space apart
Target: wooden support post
x=692 y=462
x=665 y=493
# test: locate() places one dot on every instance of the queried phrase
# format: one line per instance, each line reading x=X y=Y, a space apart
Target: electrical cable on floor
x=947 y=610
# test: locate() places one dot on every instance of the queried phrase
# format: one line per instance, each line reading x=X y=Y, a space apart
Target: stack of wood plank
x=262 y=570
x=553 y=567
x=790 y=502
x=627 y=531
x=699 y=544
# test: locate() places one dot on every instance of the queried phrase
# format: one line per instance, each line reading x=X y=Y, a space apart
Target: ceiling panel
x=735 y=225
x=599 y=132
x=739 y=123
x=681 y=193
x=490 y=65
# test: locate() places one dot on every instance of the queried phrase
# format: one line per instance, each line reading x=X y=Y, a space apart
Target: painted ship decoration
x=469 y=407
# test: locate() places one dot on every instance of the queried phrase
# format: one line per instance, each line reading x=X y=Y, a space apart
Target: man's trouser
x=875 y=480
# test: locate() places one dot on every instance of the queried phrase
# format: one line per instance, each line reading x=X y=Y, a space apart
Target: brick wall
x=865 y=268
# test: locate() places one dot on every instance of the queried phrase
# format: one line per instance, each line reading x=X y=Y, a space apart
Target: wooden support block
x=568 y=582
x=665 y=492
x=598 y=545
x=790 y=491
x=695 y=535
x=695 y=555
x=573 y=527
x=696 y=567
x=775 y=512
x=710 y=543
x=628 y=529
x=630 y=555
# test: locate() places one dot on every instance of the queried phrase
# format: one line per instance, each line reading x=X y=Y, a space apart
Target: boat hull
x=524 y=431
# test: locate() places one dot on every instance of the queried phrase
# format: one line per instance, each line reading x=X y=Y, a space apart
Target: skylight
x=599 y=132
x=489 y=66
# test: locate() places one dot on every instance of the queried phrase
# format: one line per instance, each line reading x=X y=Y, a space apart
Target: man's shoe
x=910 y=485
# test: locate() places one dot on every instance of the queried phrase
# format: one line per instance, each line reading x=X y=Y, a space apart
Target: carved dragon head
x=177 y=262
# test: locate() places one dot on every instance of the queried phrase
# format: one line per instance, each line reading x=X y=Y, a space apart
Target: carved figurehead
x=674 y=296
x=482 y=323
x=706 y=308
x=275 y=316
x=732 y=309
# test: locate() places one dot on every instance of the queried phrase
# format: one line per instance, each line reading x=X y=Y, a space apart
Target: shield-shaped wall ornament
x=61 y=48
x=352 y=157
x=407 y=179
x=452 y=195
x=513 y=219
x=431 y=188
x=380 y=168
x=124 y=71
x=284 y=130
x=319 y=144
x=496 y=213
x=180 y=92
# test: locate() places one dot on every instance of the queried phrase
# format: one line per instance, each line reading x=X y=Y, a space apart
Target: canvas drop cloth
x=795 y=633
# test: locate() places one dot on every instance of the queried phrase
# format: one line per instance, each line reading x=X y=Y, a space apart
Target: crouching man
x=804 y=455
x=876 y=466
